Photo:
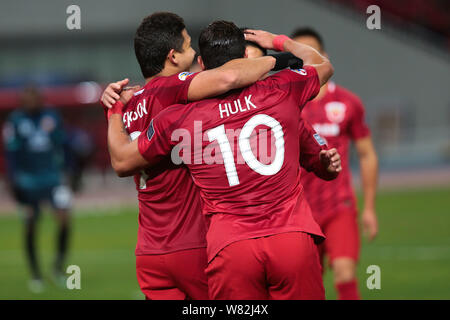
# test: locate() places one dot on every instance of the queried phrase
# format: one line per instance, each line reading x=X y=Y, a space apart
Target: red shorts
x=342 y=236
x=283 y=266
x=173 y=276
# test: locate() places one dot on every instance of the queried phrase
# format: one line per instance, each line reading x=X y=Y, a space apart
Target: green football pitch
x=412 y=251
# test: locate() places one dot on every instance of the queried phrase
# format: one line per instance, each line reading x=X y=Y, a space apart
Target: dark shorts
x=60 y=197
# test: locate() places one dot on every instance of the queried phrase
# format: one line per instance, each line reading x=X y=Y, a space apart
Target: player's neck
x=166 y=72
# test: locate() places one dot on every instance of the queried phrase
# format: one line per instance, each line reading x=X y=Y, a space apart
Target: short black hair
x=156 y=36
x=221 y=42
x=254 y=44
x=308 y=32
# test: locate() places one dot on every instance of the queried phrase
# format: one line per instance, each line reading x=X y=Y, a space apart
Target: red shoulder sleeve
x=302 y=84
x=154 y=142
x=173 y=89
x=358 y=127
x=311 y=143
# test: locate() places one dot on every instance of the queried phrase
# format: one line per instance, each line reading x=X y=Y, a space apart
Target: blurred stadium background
x=401 y=72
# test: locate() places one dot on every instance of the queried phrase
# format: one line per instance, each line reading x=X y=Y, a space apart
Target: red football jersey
x=245 y=196
x=169 y=203
x=338 y=117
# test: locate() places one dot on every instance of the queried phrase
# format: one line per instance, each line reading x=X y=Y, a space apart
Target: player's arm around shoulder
x=237 y=73
x=153 y=144
x=309 y=55
x=126 y=159
x=124 y=153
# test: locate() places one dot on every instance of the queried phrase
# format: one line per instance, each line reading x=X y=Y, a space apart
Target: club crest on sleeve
x=183 y=75
x=335 y=111
x=150 y=131
x=319 y=139
x=300 y=71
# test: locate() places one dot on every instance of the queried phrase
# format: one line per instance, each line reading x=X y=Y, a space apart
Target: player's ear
x=172 y=57
x=200 y=62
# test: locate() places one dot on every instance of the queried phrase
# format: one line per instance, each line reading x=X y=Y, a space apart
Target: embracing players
x=170 y=250
x=261 y=234
x=338 y=116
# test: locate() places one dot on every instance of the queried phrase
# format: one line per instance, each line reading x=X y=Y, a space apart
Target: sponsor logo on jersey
x=319 y=139
x=327 y=129
x=300 y=71
x=335 y=111
x=25 y=127
x=183 y=76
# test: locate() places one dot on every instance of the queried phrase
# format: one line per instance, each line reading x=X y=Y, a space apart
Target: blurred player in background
x=170 y=250
x=338 y=116
x=34 y=139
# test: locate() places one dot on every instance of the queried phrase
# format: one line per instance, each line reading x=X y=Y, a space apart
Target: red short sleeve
x=311 y=143
x=358 y=127
x=173 y=89
x=153 y=143
x=302 y=84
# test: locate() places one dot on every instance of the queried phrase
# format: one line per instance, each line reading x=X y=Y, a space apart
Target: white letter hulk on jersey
x=236 y=106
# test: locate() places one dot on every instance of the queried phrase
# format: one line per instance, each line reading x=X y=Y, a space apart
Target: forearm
x=309 y=55
x=248 y=71
x=369 y=176
x=121 y=149
x=234 y=74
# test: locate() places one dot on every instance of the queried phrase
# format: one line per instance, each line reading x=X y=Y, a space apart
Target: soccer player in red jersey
x=170 y=251
x=261 y=234
x=338 y=116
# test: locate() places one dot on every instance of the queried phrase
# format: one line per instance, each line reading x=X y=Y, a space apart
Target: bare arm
x=234 y=74
x=125 y=156
x=309 y=55
x=368 y=162
x=237 y=73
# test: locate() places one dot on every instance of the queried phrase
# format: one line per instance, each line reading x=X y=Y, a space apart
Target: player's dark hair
x=156 y=36
x=308 y=32
x=254 y=44
x=221 y=42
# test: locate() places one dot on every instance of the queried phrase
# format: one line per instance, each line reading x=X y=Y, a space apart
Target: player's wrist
x=369 y=211
x=278 y=42
x=285 y=60
x=116 y=109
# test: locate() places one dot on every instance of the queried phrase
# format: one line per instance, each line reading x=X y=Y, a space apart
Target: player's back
x=169 y=203
x=247 y=164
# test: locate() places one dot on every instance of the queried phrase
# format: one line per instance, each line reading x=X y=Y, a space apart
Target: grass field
x=412 y=250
